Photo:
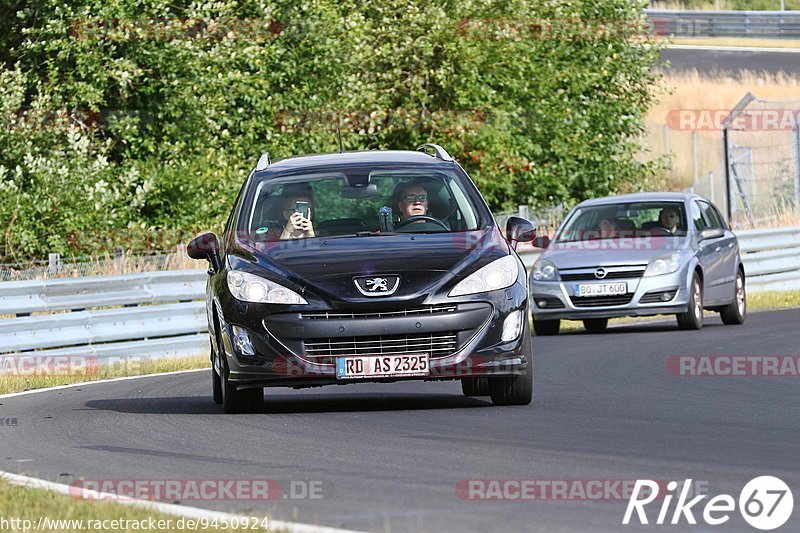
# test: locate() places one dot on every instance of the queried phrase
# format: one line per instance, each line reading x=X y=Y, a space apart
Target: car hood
x=611 y=252
x=424 y=261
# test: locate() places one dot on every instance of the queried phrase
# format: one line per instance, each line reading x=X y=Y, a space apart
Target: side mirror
x=712 y=233
x=205 y=246
x=541 y=241
x=519 y=230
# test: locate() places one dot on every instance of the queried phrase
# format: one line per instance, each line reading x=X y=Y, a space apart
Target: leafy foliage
x=149 y=114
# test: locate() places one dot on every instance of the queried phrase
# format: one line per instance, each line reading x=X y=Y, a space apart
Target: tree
x=169 y=104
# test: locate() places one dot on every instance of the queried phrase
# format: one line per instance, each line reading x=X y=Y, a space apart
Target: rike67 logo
x=765 y=503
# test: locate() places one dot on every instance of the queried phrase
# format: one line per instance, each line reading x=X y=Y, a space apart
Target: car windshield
x=625 y=220
x=358 y=202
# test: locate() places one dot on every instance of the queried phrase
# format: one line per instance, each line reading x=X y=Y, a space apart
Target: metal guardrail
x=154 y=314
x=747 y=24
x=162 y=314
x=36 y=296
x=771 y=258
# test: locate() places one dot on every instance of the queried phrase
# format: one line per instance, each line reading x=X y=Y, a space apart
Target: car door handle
x=717 y=249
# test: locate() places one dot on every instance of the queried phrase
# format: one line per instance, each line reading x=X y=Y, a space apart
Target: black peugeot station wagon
x=374 y=266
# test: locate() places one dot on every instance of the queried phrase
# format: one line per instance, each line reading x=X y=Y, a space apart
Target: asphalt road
x=710 y=62
x=389 y=457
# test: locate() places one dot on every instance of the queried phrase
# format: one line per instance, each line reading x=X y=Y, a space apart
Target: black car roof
x=352 y=158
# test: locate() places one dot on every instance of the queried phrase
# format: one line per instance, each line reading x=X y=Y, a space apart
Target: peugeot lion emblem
x=377 y=285
x=600 y=273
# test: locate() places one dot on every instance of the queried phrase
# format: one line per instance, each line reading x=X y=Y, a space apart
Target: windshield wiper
x=376 y=233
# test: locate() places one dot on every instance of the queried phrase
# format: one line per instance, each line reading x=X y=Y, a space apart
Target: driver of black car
x=411 y=200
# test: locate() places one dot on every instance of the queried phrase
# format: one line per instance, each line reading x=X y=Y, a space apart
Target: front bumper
x=642 y=299
x=298 y=349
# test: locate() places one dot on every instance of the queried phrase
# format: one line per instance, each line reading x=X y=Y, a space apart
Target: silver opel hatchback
x=638 y=255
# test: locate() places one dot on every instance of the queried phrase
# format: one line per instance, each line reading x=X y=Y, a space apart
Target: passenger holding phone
x=297 y=212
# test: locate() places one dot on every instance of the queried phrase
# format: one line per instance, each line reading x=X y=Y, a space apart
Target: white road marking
x=166 y=508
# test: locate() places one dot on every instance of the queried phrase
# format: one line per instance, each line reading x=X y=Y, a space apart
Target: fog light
x=667 y=296
x=512 y=326
x=241 y=341
x=541 y=303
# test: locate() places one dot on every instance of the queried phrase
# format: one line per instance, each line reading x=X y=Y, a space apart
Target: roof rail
x=263 y=161
x=439 y=152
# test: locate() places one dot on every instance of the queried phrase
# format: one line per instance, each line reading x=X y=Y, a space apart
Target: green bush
x=166 y=118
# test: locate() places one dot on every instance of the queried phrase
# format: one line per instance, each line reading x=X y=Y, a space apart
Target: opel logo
x=600 y=273
x=377 y=285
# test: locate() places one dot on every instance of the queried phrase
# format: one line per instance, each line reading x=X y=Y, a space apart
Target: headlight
x=249 y=288
x=498 y=274
x=665 y=264
x=544 y=270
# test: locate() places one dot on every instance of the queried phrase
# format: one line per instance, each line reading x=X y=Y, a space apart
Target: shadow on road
x=277 y=403
x=641 y=328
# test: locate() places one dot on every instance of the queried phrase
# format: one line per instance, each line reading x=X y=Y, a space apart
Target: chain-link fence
x=546 y=219
x=106 y=264
x=758 y=182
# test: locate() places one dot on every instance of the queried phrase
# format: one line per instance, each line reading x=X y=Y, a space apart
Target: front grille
x=336 y=315
x=438 y=344
x=600 y=301
x=589 y=276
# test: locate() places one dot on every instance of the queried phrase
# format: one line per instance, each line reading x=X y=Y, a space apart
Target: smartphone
x=302 y=208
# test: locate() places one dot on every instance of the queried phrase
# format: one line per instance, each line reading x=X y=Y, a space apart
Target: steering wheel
x=661 y=231
x=426 y=218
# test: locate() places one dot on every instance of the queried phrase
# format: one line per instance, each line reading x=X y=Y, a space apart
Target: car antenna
x=339 y=131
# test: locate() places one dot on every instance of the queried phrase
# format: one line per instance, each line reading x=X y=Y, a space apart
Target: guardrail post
x=524 y=212
x=726 y=161
x=53 y=264
x=119 y=261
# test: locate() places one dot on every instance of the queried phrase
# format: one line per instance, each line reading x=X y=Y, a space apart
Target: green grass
x=32 y=504
x=762 y=301
x=132 y=367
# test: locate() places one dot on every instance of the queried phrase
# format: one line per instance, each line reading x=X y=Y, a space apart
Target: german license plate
x=370 y=366
x=601 y=289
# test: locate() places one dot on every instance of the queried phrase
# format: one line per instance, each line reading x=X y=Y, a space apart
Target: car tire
x=693 y=318
x=216 y=385
x=515 y=390
x=735 y=312
x=543 y=328
x=475 y=387
x=237 y=401
x=595 y=325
